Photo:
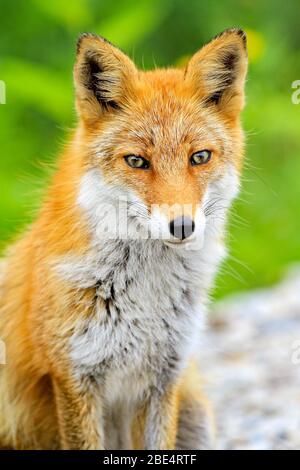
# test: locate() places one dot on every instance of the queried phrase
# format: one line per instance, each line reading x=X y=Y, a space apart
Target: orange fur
x=164 y=117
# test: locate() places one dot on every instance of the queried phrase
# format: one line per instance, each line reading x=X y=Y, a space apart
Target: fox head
x=164 y=147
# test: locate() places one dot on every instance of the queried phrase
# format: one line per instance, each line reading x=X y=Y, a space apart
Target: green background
x=37 y=44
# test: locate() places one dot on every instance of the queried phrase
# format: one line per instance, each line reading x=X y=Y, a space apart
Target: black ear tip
x=82 y=37
x=94 y=36
x=238 y=31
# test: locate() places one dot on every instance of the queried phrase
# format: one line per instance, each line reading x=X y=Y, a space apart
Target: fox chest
x=145 y=322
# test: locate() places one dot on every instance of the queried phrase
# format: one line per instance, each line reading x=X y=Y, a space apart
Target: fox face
x=162 y=150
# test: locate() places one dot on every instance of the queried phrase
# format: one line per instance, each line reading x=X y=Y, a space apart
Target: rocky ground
x=251 y=356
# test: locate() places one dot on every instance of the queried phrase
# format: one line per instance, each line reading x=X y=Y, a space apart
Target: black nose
x=182 y=227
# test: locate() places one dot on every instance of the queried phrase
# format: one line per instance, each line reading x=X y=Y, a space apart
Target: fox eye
x=135 y=161
x=200 y=158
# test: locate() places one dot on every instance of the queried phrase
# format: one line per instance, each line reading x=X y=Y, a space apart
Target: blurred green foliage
x=37 y=44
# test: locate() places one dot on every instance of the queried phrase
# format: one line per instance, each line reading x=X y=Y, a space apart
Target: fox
x=103 y=299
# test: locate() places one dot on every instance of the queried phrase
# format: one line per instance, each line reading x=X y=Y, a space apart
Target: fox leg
x=118 y=427
x=161 y=420
x=195 y=420
x=79 y=415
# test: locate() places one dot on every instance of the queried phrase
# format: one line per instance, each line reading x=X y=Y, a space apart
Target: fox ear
x=217 y=72
x=103 y=77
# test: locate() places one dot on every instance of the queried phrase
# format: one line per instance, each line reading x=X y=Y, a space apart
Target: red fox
x=103 y=298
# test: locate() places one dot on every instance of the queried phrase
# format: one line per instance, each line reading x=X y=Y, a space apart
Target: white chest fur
x=148 y=313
